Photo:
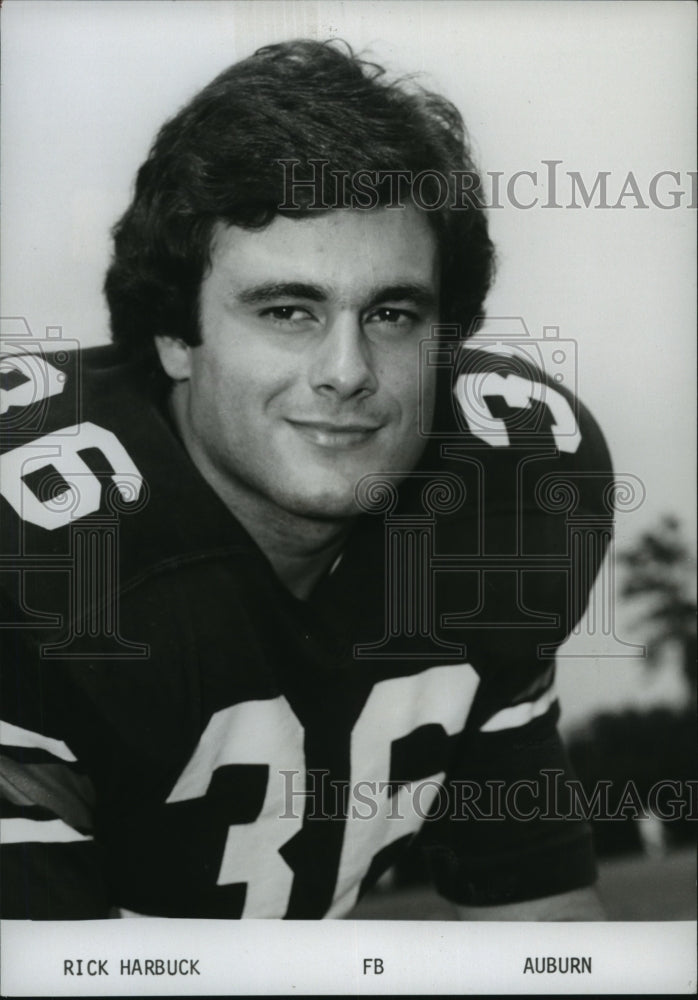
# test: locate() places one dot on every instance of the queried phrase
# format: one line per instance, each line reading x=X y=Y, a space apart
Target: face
x=307 y=375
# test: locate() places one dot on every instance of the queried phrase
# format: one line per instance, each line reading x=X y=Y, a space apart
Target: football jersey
x=183 y=737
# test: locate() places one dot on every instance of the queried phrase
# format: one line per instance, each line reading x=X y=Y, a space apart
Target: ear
x=174 y=357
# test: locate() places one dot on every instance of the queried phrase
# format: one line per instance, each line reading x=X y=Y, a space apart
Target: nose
x=342 y=365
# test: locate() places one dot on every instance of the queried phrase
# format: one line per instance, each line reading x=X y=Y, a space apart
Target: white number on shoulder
x=472 y=390
x=82 y=493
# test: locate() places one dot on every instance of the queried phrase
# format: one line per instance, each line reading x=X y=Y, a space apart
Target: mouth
x=326 y=434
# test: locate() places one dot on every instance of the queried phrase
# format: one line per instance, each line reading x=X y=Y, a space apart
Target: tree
x=661 y=569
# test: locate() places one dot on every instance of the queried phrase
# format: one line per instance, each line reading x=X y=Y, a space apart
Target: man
x=286 y=567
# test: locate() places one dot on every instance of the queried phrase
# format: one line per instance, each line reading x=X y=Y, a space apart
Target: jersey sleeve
x=50 y=859
x=509 y=829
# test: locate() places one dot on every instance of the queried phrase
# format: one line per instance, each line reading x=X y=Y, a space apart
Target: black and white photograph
x=348 y=480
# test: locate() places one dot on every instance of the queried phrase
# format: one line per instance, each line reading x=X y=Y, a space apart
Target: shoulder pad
x=520 y=427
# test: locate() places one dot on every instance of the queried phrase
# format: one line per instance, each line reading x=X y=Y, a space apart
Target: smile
x=329 y=435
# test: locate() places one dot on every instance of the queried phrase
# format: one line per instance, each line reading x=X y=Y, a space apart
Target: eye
x=392 y=318
x=287 y=314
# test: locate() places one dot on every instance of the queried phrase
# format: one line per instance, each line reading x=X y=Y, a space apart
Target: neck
x=299 y=549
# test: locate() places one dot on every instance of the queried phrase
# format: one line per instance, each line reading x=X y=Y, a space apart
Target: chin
x=325 y=508
x=326 y=504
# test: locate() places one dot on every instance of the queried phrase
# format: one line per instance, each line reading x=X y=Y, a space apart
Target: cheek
x=217 y=398
x=238 y=398
x=417 y=398
x=427 y=394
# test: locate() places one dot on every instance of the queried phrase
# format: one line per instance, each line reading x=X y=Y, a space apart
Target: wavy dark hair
x=218 y=160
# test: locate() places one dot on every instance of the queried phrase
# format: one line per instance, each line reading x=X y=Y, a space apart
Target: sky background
x=598 y=86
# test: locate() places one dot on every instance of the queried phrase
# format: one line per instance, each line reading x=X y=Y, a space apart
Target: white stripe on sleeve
x=519 y=715
x=15 y=736
x=27 y=831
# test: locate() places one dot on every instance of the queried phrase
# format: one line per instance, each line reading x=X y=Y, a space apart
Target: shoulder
x=85 y=435
x=518 y=433
x=524 y=514
x=58 y=410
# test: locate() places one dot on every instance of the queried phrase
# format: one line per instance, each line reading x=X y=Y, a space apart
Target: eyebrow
x=422 y=295
x=279 y=290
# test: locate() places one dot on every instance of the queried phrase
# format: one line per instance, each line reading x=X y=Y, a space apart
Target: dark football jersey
x=183 y=737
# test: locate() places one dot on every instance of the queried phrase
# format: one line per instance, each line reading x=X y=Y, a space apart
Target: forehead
x=345 y=250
